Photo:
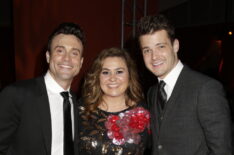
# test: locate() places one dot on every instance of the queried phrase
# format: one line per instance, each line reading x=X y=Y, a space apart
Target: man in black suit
x=189 y=113
x=31 y=111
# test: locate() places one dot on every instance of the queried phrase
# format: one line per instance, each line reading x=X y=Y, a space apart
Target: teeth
x=65 y=66
x=112 y=85
x=158 y=63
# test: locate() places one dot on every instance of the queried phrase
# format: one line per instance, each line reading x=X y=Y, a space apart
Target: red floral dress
x=118 y=133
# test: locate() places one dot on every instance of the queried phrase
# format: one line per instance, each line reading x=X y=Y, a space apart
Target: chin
x=66 y=77
x=113 y=95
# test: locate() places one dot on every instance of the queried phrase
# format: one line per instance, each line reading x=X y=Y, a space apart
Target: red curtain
x=34 y=20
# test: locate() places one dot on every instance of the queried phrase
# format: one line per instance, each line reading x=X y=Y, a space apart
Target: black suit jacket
x=25 y=121
x=195 y=120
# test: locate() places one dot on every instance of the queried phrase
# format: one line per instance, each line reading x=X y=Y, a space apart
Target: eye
x=104 y=72
x=145 y=51
x=59 y=50
x=119 y=72
x=75 y=53
x=161 y=46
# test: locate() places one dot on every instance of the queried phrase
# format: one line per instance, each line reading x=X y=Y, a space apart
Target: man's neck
x=65 y=84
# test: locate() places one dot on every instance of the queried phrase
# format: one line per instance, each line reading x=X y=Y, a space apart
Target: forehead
x=67 y=40
x=155 y=37
x=114 y=62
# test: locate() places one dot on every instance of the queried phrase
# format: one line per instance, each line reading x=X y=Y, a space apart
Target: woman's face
x=114 y=77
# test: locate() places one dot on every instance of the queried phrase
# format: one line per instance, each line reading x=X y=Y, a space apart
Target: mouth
x=65 y=66
x=112 y=85
x=156 y=64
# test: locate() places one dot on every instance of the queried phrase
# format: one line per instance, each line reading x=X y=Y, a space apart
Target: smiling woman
x=114 y=82
x=112 y=116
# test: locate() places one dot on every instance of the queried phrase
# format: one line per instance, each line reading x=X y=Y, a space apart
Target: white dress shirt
x=56 y=112
x=171 y=78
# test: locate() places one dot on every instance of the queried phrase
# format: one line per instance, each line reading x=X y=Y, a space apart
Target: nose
x=112 y=77
x=66 y=56
x=154 y=54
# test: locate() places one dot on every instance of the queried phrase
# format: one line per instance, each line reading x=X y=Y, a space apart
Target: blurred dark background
x=204 y=28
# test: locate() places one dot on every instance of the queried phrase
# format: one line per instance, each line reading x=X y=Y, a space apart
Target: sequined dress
x=99 y=136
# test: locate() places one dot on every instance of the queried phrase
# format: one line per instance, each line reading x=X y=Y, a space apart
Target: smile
x=65 y=66
x=112 y=85
x=157 y=63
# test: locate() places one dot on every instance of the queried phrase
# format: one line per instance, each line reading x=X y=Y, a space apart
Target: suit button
x=160 y=147
x=161 y=118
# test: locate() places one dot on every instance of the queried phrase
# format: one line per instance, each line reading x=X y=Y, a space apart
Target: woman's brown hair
x=92 y=92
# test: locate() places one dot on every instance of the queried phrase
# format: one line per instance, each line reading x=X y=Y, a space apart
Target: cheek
x=170 y=56
x=127 y=82
x=125 y=79
x=147 y=58
x=55 y=59
x=102 y=85
x=76 y=62
x=102 y=80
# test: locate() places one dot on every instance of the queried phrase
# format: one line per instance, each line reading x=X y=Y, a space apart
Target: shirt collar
x=52 y=85
x=173 y=75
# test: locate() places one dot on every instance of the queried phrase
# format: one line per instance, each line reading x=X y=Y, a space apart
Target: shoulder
x=80 y=102
x=80 y=105
x=151 y=94
x=74 y=95
x=19 y=93
x=142 y=104
x=152 y=90
x=23 y=85
x=196 y=78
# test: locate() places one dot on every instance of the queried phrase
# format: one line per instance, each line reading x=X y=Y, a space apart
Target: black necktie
x=162 y=96
x=68 y=140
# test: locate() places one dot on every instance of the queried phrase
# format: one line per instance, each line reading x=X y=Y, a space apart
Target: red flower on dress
x=126 y=126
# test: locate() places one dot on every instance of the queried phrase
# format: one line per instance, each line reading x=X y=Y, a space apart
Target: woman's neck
x=113 y=104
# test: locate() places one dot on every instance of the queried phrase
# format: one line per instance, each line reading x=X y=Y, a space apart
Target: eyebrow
x=58 y=46
x=157 y=44
x=114 y=69
x=161 y=43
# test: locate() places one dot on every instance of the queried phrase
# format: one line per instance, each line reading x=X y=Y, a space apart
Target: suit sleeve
x=150 y=95
x=214 y=116
x=9 y=117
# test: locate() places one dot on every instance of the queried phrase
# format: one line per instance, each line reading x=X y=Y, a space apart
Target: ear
x=176 y=45
x=47 y=56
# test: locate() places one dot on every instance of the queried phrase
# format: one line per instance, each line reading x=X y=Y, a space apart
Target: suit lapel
x=44 y=113
x=175 y=93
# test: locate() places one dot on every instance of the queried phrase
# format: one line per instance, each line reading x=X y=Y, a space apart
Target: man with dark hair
x=189 y=112
x=37 y=115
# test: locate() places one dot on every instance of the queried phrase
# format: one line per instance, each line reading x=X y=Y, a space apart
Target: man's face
x=65 y=58
x=160 y=55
